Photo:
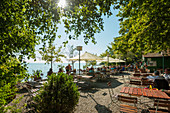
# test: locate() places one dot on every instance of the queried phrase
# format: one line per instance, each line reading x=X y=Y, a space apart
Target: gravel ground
x=94 y=99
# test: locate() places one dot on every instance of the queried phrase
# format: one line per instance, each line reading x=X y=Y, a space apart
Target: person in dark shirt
x=68 y=69
x=50 y=72
x=60 y=70
x=160 y=82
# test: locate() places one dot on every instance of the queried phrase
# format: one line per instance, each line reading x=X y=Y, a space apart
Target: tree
x=11 y=72
x=25 y=24
x=70 y=51
x=50 y=54
x=144 y=26
x=115 y=52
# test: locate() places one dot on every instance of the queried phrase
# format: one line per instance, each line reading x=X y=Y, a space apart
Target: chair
x=124 y=81
x=136 y=71
x=134 y=82
x=136 y=75
x=158 y=104
x=128 y=108
x=113 y=96
x=112 y=73
x=98 y=75
x=145 y=75
x=146 y=82
x=31 y=92
x=135 y=78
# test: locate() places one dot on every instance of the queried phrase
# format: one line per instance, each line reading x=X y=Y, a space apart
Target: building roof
x=156 y=54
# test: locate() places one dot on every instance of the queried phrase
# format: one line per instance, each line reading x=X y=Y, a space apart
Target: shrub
x=59 y=95
x=36 y=74
x=11 y=71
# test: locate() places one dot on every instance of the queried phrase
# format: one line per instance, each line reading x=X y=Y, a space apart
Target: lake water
x=45 y=67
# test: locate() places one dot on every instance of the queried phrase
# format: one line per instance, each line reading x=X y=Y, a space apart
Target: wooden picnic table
x=142 y=74
x=144 y=92
x=84 y=77
x=135 y=78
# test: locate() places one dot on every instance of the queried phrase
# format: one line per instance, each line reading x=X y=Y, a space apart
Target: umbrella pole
x=79 y=62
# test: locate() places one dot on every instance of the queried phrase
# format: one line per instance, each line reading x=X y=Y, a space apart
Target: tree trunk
x=51 y=60
x=51 y=64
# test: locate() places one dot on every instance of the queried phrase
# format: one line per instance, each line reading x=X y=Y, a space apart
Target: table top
x=135 y=78
x=84 y=76
x=144 y=92
x=143 y=73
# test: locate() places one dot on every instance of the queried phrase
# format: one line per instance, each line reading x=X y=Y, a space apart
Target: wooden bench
x=160 y=103
x=135 y=82
x=128 y=108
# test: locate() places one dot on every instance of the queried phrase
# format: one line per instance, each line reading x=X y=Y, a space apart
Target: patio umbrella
x=86 y=57
x=118 y=60
x=106 y=59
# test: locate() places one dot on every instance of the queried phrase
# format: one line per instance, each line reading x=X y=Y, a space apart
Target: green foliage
x=27 y=23
x=37 y=73
x=89 y=63
x=61 y=66
x=14 y=107
x=144 y=26
x=84 y=17
x=50 y=54
x=70 y=51
x=59 y=95
x=11 y=72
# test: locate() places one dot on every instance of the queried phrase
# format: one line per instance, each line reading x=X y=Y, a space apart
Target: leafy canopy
x=144 y=26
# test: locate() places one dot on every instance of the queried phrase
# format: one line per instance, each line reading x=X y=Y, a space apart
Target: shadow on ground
x=100 y=108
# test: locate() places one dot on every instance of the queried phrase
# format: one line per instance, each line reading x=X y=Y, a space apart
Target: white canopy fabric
x=105 y=59
x=86 y=57
x=119 y=60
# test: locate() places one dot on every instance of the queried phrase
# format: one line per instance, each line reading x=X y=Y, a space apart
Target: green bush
x=11 y=72
x=59 y=95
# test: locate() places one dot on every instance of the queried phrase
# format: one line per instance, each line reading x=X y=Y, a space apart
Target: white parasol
x=86 y=57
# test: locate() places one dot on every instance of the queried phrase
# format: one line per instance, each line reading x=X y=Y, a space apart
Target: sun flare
x=62 y=3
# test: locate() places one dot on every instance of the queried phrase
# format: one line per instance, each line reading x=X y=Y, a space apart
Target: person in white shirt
x=167 y=74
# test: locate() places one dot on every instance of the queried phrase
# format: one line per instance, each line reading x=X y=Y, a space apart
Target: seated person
x=68 y=69
x=122 y=69
x=154 y=76
x=87 y=69
x=60 y=70
x=142 y=70
x=74 y=70
x=103 y=70
x=50 y=72
x=98 y=71
x=167 y=74
x=160 y=82
x=91 y=72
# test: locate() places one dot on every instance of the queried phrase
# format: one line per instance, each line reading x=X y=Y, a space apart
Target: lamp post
x=107 y=59
x=79 y=48
x=163 y=53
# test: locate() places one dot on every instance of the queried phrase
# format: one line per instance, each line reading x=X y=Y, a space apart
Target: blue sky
x=111 y=29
